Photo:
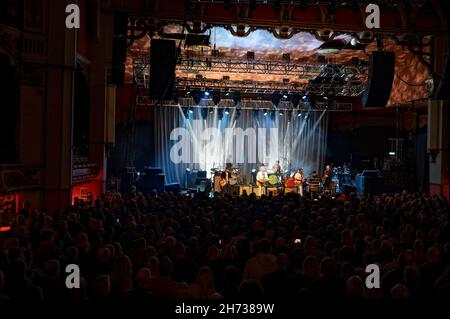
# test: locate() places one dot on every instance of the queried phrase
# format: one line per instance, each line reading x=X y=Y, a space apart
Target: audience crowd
x=230 y=247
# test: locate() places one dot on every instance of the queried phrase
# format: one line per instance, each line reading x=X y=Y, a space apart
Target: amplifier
x=273 y=190
x=247 y=188
x=259 y=191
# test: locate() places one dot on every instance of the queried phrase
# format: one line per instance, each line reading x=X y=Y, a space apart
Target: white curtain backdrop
x=244 y=138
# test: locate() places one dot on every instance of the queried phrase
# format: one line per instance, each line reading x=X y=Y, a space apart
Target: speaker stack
x=381 y=75
x=162 y=69
x=152 y=179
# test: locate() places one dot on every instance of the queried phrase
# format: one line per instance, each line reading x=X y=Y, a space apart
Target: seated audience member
x=203 y=288
x=263 y=263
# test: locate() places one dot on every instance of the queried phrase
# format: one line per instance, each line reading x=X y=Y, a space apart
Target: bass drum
x=273 y=179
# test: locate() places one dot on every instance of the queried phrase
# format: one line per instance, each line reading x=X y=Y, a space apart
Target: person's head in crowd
x=165 y=267
x=355 y=287
x=101 y=286
x=406 y=234
x=251 y=289
x=282 y=261
x=399 y=292
x=143 y=278
x=311 y=267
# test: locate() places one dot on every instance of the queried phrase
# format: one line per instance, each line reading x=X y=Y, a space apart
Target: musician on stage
x=225 y=178
x=262 y=177
x=229 y=170
x=327 y=174
x=298 y=177
x=277 y=168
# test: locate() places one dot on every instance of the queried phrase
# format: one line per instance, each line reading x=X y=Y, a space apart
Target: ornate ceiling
x=271 y=30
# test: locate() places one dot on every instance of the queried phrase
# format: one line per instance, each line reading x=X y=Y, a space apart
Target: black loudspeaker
x=120 y=23
x=119 y=54
x=381 y=75
x=173 y=187
x=149 y=183
x=162 y=68
x=442 y=90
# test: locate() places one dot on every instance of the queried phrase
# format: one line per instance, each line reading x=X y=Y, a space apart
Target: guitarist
x=224 y=182
x=327 y=174
x=298 y=178
x=261 y=178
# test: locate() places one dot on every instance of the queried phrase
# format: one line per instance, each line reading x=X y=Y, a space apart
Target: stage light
x=265 y=112
x=188 y=92
x=276 y=5
x=5 y=228
x=281 y=113
x=204 y=112
x=304 y=97
x=295 y=101
x=237 y=113
x=272 y=115
x=227 y=111
x=216 y=98
x=285 y=96
x=275 y=99
x=211 y=110
x=299 y=114
x=236 y=97
x=188 y=170
x=196 y=96
x=392 y=153
x=206 y=93
x=253 y=170
x=303 y=5
x=191 y=111
x=331 y=8
x=325 y=97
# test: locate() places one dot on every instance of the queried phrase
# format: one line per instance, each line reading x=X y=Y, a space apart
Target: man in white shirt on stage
x=261 y=177
x=298 y=177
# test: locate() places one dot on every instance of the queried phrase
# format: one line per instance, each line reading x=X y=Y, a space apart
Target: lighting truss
x=324 y=79
x=258 y=87
x=300 y=70
x=248 y=104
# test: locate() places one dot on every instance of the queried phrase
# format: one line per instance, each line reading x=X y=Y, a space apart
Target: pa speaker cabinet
x=381 y=75
x=162 y=68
